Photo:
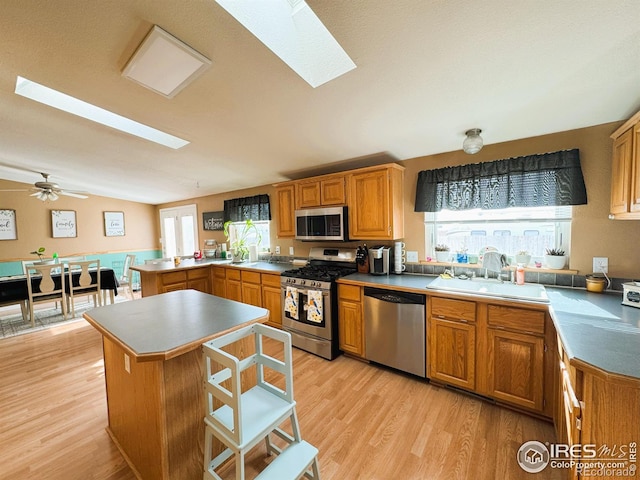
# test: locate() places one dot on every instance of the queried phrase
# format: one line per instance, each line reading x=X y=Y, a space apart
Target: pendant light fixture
x=473 y=143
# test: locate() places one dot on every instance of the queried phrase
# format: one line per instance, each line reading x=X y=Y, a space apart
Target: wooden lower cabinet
x=452 y=352
x=515 y=371
x=350 y=320
x=154 y=283
x=598 y=409
x=219 y=281
x=272 y=298
x=234 y=285
x=251 y=288
x=498 y=350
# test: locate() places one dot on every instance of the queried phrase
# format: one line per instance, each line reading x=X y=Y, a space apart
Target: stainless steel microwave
x=322 y=224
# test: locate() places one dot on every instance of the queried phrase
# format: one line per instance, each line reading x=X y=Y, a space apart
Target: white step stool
x=245 y=419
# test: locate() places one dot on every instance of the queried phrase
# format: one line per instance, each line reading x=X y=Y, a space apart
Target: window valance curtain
x=247 y=208
x=530 y=181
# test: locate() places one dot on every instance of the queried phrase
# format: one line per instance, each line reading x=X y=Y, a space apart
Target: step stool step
x=291 y=463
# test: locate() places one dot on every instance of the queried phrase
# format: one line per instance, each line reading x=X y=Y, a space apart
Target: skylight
x=67 y=103
x=291 y=30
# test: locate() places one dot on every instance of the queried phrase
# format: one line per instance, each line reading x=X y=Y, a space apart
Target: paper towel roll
x=253 y=253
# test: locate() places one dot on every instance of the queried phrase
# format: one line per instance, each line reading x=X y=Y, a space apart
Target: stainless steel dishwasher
x=394 y=326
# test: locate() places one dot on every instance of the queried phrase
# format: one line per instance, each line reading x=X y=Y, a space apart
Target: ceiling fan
x=46 y=190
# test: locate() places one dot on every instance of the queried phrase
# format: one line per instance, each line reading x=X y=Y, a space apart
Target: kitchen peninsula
x=153 y=375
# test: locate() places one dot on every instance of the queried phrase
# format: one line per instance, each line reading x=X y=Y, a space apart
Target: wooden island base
x=154 y=373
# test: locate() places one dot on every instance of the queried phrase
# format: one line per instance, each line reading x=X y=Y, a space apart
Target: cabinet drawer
x=349 y=292
x=452 y=309
x=271 y=280
x=219 y=272
x=198 y=273
x=174 y=277
x=530 y=321
x=250 y=277
x=233 y=274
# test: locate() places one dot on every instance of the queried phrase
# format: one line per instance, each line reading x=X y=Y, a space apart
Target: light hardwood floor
x=367 y=422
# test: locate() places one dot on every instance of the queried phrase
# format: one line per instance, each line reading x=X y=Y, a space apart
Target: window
x=510 y=230
x=237 y=230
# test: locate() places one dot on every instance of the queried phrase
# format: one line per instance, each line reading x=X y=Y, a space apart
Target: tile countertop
x=595 y=328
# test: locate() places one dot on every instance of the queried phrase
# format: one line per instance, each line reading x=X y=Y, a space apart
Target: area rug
x=12 y=324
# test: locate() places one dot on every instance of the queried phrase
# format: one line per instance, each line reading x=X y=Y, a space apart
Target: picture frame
x=114 y=224
x=63 y=224
x=8 y=230
x=213 y=221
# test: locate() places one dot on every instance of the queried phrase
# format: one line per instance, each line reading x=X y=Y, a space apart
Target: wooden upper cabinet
x=323 y=192
x=625 y=170
x=376 y=208
x=285 y=196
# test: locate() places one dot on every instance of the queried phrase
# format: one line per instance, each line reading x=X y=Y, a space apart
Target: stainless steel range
x=310 y=300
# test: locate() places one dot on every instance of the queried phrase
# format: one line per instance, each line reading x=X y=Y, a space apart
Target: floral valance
x=530 y=181
x=247 y=208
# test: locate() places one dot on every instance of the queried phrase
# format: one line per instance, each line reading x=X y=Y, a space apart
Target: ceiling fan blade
x=35 y=194
x=72 y=194
x=16 y=190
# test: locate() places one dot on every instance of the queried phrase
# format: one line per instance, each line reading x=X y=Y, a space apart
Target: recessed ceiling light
x=291 y=30
x=164 y=64
x=67 y=103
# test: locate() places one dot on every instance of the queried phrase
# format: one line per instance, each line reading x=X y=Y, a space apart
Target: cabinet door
x=452 y=352
x=351 y=333
x=172 y=287
x=252 y=294
x=219 y=282
x=369 y=216
x=332 y=192
x=286 y=206
x=634 y=199
x=307 y=195
x=516 y=368
x=199 y=279
x=234 y=290
x=272 y=301
x=620 y=172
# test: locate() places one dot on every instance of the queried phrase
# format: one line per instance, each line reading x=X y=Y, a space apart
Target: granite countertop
x=595 y=328
x=189 y=263
x=165 y=326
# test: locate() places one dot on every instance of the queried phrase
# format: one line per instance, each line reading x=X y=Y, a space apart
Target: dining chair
x=41 y=287
x=81 y=282
x=126 y=279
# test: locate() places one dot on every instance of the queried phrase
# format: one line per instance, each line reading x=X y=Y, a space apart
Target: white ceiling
x=427 y=70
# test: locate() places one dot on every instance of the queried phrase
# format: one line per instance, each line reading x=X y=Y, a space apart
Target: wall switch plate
x=127 y=363
x=412 y=257
x=278 y=250
x=291 y=251
x=600 y=265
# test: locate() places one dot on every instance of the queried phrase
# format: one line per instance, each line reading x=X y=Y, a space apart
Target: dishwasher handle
x=391 y=296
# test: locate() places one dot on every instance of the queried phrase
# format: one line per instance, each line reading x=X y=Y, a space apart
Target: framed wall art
x=114 y=224
x=8 y=225
x=213 y=220
x=63 y=224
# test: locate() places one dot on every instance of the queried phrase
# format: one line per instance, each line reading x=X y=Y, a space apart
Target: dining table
x=13 y=289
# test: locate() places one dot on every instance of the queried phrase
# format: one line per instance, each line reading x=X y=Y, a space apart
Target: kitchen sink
x=531 y=292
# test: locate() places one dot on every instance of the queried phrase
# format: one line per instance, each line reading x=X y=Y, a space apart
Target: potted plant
x=38 y=252
x=555 y=258
x=239 y=245
x=523 y=257
x=442 y=252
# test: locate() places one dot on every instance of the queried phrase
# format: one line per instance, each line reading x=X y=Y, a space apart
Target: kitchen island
x=153 y=375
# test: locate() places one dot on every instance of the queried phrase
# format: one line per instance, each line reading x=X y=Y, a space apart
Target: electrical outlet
x=412 y=257
x=291 y=251
x=127 y=363
x=278 y=250
x=600 y=265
